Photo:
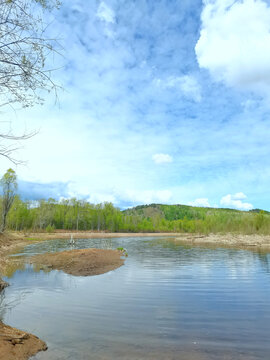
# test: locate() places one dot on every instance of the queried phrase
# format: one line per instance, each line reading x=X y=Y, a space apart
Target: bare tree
x=24 y=48
x=8 y=149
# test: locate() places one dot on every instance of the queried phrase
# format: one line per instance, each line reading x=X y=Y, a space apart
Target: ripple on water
x=169 y=301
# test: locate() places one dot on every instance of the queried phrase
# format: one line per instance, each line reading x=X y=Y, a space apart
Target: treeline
x=74 y=214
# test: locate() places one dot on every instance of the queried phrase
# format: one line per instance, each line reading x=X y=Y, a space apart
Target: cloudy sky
x=164 y=101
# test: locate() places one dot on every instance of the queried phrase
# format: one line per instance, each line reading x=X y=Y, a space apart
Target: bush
x=50 y=229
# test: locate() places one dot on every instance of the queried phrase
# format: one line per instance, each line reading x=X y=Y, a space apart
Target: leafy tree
x=9 y=187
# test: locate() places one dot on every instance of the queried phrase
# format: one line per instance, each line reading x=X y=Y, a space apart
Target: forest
x=75 y=214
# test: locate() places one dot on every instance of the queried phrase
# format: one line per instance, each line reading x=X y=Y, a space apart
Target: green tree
x=9 y=187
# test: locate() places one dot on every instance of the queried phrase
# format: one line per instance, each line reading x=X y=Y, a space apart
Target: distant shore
x=65 y=234
x=226 y=240
x=13 y=240
x=229 y=240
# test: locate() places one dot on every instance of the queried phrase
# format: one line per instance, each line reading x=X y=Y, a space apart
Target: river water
x=168 y=301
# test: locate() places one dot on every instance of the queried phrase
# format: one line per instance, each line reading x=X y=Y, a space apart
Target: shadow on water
x=169 y=301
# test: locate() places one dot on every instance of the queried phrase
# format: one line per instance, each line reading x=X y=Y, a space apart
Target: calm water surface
x=167 y=302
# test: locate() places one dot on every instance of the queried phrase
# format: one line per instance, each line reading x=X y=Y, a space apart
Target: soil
x=18 y=345
x=80 y=262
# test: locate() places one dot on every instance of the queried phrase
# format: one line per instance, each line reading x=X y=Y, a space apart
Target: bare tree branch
x=24 y=50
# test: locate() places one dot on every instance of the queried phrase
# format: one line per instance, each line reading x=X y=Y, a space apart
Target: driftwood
x=18 y=339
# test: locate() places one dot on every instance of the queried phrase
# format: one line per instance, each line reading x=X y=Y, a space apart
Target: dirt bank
x=80 y=262
x=18 y=345
x=255 y=242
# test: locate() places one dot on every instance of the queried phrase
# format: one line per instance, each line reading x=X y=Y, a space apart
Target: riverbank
x=238 y=241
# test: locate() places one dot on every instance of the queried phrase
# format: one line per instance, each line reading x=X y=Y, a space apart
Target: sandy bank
x=251 y=242
x=18 y=345
x=80 y=262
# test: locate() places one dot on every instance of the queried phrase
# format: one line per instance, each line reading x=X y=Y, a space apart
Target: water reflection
x=168 y=301
x=2 y=305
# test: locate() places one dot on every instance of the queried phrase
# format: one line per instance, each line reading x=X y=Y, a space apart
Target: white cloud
x=234 y=43
x=202 y=202
x=105 y=13
x=186 y=84
x=240 y=196
x=146 y=196
x=162 y=158
x=235 y=202
x=229 y=201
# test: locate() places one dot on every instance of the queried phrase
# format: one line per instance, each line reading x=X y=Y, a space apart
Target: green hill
x=179 y=212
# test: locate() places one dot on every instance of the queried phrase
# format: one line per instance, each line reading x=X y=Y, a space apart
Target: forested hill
x=180 y=212
x=186 y=218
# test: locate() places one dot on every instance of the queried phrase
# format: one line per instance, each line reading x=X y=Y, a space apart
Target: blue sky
x=163 y=101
